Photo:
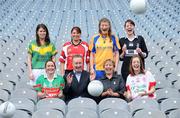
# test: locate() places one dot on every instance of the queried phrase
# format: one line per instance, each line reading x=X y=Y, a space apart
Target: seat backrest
x=115 y=103
x=149 y=113
x=23 y=104
x=177 y=84
x=139 y=104
x=174 y=114
x=19 y=114
x=47 y=113
x=162 y=83
x=25 y=93
x=162 y=94
x=6 y=85
x=24 y=84
x=81 y=113
x=51 y=103
x=4 y=96
x=82 y=103
x=115 y=113
x=170 y=104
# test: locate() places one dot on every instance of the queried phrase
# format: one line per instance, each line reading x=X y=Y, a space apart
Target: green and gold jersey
x=41 y=54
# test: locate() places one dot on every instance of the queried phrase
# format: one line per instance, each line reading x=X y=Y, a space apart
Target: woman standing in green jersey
x=40 y=51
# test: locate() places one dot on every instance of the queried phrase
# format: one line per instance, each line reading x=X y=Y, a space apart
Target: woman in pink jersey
x=140 y=83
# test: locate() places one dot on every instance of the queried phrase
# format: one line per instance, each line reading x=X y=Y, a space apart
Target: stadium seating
x=52 y=103
x=20 y=114
x=113 y=103
x=85 y=103
x=25 y=93
x=170 y=104
x=159 y=25
x=174 y=114
x=23 y=104
x=150 y=113
x=46 y=113
x=6 y=85
x=115 y=113
x=166 y=93
x=140 y=104
x=81 y=113
x=4 y=95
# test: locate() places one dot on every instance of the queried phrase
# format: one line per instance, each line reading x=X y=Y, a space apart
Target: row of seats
x=159 y=26
x=87 y=108
x=157 y=22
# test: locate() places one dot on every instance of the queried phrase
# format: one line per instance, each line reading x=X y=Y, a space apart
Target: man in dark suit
x=76 y=82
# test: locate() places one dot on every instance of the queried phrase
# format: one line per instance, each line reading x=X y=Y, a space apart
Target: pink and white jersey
x=69 y=49
x=140 y=83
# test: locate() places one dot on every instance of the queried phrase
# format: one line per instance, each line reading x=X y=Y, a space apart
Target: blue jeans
x=99 y=74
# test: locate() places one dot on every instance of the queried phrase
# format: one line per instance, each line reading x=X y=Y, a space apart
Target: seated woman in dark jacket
x=114 y=85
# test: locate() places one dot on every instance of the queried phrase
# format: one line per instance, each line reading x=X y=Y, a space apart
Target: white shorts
x=36 y=73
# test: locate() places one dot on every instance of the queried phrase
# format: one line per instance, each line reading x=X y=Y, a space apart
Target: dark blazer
x=126 y=59
x=77 y=89
x=116 y=83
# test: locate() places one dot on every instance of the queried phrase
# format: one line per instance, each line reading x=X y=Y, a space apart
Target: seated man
x=76 y=82
x=50 y=85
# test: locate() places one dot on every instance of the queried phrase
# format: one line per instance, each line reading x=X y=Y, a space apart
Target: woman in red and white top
x=74 y=47
x=140 y=83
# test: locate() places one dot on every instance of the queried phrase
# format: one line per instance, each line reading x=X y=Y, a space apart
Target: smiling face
x=77 y=64
x=136 y=65
x=41 y=33
x=129 y=28
x=109 y=67
x=50 y=67
x=76 y=34
x=104 y=27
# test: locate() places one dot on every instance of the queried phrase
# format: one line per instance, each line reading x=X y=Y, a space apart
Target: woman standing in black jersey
x=131 y=45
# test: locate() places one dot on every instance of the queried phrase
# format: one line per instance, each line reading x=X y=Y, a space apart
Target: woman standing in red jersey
x=74 y=47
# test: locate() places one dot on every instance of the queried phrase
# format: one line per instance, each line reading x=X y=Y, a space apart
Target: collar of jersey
x=76 y=44
x=55 y=75
x=135 y=36
x=103 y=36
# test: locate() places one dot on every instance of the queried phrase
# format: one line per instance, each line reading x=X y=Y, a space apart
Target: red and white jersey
x=69 y=49
x=140 y=83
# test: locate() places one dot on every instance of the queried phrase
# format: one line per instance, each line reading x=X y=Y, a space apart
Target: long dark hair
x=47 y=39
x=142 y=71
x=110 y=30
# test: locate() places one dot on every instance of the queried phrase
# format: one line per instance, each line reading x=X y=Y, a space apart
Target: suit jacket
x=77 y=89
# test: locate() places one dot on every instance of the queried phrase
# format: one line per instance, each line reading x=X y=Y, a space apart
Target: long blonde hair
x=110 y=30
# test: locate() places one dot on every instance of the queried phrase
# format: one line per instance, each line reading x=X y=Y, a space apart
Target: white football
x=7 y=110
x=138 y=6
x=95 y=88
